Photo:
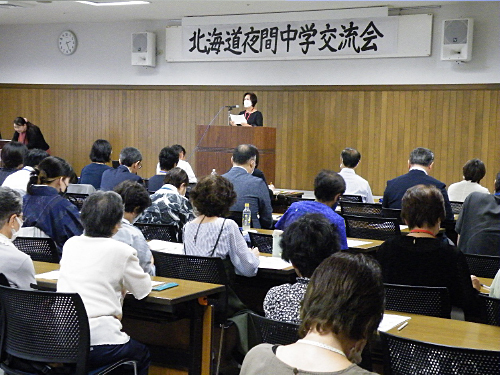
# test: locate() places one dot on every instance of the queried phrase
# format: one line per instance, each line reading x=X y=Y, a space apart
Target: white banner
x=291 y=40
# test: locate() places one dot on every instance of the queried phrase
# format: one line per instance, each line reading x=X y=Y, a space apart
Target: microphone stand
x=205 y=132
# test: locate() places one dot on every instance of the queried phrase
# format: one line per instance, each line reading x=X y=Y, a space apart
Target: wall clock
x=67 y=42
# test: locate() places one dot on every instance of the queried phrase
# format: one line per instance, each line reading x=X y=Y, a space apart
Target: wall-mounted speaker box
x=144 y=49
x=457 y=39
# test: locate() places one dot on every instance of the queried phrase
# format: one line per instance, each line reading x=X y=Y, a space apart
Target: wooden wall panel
x=314 y=124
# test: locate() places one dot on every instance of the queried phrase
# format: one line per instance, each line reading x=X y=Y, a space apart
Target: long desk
x=188 y=300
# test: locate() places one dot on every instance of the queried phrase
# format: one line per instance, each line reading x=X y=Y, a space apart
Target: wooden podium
x=218 y=142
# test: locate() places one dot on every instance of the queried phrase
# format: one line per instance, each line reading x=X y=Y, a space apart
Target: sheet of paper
x=277 y=216
x=238 y=119
x=155 y=283
x=166 y=247
x=390 y=321
x=51 y=275
x=354 y=243
x=273 y=263
x=403 y=227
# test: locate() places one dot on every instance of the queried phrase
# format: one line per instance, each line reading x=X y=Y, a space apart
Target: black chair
x=170 y=233
x=490 y=309
x=423 y=300
x=38 y=248
x=263 y=241
x=360 y=209
x=483 y=265
x=263 y=330
x=371 y=227
x=77 y=199
x=456 y=207
x=403 y=356
x=392 y=213
x=41 y=328
x=350 y=198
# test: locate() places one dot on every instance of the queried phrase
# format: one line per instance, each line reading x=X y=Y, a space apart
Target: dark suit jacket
x=112 y=177
x=253 y=190
x=397 y=187
x=34 y=137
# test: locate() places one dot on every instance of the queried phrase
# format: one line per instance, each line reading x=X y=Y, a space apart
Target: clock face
x=67 y=42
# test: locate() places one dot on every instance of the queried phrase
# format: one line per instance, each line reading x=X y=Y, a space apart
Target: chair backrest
x=45 y=327
x=423 y=300
x=190 y=267
x=392 y=213
x=483 y=265
x=170 y=233
x=38 y=248
x=456 y=207
x=406 y=356
x=77 y=199
x=361 y=209
x=371 y=227
x=271 y=331
x=263 y=241
x=490 y=309
x=351 y=198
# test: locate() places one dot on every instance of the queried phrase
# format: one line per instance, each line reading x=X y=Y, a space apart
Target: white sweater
x=101 y=270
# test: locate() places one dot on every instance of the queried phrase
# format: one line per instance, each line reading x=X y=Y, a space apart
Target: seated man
x=12 y=157
x=249 y=189
x=102 y=270
x=135 y=200
x=328 y=187
x=305 y=243
x=168 y=159
x=354 y=184
x=16 y=266
x=130 y=163
x=184 y=164
x=169 y=204
x=479 y=223
x=19 y=180
x=420 y=164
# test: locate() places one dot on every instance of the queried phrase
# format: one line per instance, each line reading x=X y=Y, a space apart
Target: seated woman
x=100 y=154
x=15 y=265
x=102 y=270
x=135 y=200
x=44 y=208
x=305 y=243
x=12 y=156
x=169 y=204
x=474 y=171
x=420 y=258
x=342 y=308
x=210 y=234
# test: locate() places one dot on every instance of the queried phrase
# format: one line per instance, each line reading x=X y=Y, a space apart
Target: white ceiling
x=64 y=11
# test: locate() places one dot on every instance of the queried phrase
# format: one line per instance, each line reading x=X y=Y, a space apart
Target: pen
x=402 y=326
x=485 y=286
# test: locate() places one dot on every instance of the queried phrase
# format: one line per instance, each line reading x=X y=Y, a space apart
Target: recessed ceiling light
x=103 y=4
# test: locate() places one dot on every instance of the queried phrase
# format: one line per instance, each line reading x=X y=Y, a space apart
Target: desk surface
x=187 y=290
x=450 y=332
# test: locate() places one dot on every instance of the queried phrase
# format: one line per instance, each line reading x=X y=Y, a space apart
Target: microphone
x=229 y=107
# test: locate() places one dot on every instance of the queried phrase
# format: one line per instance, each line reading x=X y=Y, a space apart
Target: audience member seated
x=44 y=208
x=354 y=184
x=420 y=165
x=249 y=189
x=102 y=270
x=342 y=308
x=305 y=243
x=328 y=187
x=420 y=258
x=495 y=286
x=135 y=200
x=130 y=163
x=100 y=154
x=19 y=179
x=210 y=234
x=168 y=159
x=474 y=171
x=169 y=204
x=257 y=172
x=479 y=223
x=184 y=164
x=12 y=156
x=15 y=265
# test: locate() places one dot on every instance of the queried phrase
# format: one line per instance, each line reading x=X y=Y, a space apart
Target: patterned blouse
x=283 y=302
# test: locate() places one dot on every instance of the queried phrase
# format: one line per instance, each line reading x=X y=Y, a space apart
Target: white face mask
x=14 y=232
x=247 y=103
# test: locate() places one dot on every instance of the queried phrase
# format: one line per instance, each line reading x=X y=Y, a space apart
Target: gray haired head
x=421 y=156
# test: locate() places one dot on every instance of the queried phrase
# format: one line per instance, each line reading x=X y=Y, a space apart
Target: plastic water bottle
x=214 y=173
x=246 y=217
